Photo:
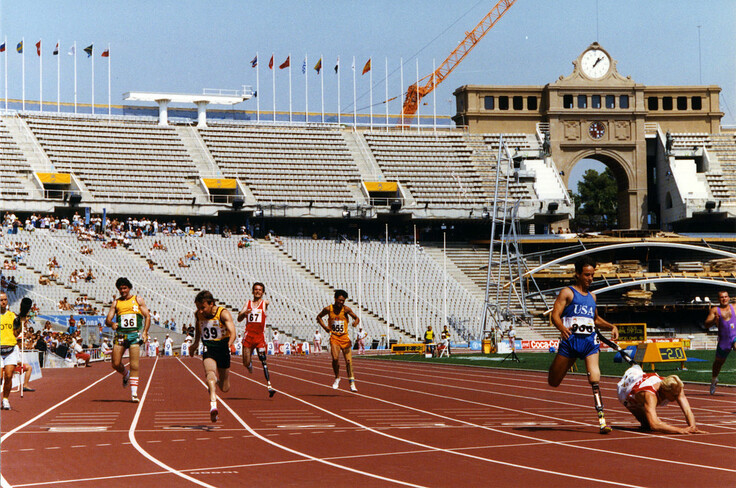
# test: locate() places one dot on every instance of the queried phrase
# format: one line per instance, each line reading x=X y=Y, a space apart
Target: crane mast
x=425 y=85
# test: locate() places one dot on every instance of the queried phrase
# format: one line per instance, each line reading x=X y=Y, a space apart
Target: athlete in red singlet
x=254 y=312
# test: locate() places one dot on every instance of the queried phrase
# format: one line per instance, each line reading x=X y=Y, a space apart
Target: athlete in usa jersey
x=214 y=325
x=254 y=313
x=576 y=317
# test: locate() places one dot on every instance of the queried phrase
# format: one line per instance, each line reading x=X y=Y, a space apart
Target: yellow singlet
x=7 y=337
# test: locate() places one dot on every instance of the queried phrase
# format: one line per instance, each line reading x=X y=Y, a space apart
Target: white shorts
x=12 y=358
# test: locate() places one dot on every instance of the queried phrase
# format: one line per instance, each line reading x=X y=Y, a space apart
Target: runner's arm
x=649 y=401
x=110 y=315
x=562 y=301
x=243 y=312
x=712 y=318
x=197 y=333
x=227 y=319
x=349 y=312
x=321 y=322
x=687 y=411
x=146 y=317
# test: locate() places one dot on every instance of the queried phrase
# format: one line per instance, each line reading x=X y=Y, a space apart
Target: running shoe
x=336 y=384
x=606 y=429
x=353 y=387
x=28 y=388
x=213 y=412
x=713 y=385
x=250 y=368
x=126 y=378
x=134 y=399
x=271 y=391
x=6 y=404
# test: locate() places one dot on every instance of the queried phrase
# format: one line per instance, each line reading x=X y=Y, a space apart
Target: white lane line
x=615 y=453
x=434 y=448
x=134 y=442
x=294 y=451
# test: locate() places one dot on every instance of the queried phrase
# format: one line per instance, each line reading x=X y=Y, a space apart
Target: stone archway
x=630 y=179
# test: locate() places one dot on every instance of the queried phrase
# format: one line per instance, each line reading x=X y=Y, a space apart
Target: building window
x=503 y=103
x=488 y=103
x=582 y=101
x=666 y=103
x=567 y=101
x=610 y=101
x=518 y=103
x=668 y=200
x=681 y=103
x=696 y=103
x=460 y=104
x=623 y=101
x=531 y=103
x=595 y=101
x=653 y=103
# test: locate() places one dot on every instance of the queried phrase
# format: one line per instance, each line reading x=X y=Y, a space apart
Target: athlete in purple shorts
x=575 y=315
x=725 y=317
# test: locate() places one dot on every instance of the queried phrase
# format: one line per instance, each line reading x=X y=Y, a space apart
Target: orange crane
x=425 y=85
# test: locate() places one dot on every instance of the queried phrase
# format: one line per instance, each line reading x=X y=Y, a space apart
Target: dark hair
x=583 y=262
x=258 y=283
x=204 y=296
x=340 y=293
x=123 y=282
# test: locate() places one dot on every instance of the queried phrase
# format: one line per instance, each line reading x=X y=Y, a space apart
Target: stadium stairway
x=27 y=142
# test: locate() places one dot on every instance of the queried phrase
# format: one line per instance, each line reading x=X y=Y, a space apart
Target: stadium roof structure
x=223 y=97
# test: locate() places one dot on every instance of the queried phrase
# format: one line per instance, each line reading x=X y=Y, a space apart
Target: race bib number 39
x=579 y=325
x=211 y=330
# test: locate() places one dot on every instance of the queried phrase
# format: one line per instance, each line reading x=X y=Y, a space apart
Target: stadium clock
x=595 y=63
x=597 y=130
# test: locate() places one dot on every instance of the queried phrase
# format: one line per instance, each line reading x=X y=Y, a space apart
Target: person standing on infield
x=214 y=325
x=725 y=317
x=254 y=313
x=131 y=324
x=576 y=317
x=338 y=320
x=10 y=328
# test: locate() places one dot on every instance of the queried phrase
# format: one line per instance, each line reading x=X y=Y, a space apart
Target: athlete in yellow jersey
x=9 y=353
x=338 y=319
x=131 y=323
x=216 y=328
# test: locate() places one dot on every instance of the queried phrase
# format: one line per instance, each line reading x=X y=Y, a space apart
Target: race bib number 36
x=579 y=325
x=129 y=321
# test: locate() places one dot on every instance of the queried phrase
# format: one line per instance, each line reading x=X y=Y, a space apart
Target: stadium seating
x=13 y=164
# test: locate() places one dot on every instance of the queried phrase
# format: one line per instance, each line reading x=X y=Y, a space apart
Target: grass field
x=697 y=371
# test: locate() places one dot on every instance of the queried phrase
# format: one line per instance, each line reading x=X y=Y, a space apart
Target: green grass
x=697 y=371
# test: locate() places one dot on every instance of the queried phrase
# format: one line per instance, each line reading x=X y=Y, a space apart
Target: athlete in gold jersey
x=215 y=326
x=338 y=320
x=131 y=323
x=9 y=353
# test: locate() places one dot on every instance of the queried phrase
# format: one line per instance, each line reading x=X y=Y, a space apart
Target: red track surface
x=410 y=424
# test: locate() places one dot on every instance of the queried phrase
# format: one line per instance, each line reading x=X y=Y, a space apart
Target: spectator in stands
x=150 y=265
x=79 y=354
x=89 y=276
x=105 y=349
x=156 y=317
x=64 y=305
x=12 y=285
x=182 y=264
x=41 y=346
x=25 y=370
x=156 y=347
x=172 y=324
x=72 y=327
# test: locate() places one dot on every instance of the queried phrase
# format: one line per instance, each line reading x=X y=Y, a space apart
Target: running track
x=409 y=425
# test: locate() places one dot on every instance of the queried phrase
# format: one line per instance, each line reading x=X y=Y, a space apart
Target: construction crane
x=425 y=85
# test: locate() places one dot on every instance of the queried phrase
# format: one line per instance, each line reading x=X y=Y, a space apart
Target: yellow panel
x=381 y=186
x=220 y=183
x=55 y=178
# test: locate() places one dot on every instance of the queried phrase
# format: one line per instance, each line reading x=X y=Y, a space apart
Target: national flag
x=337 y=65
x=270 y=63
x=286 y=63
x=105 y=53
x=89 y=50
x=2 y=47
x=38 y=48
x=72 y=50
x=56 y=50
x=19 y=47
x=367 y=67
x=254 y=62
x=304 y=66
x=318 y=66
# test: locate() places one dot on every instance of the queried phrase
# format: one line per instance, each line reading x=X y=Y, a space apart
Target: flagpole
x=370 y=94
x=93 y=79
x=109 y=96
x=355 y=108
x=289 y=58
x=40 y=75
x=306 y=90
x=418 y=129
x=6 y=72
x=273 y=82
x=75 y=76
x=339 y=109
x=434 y=95
x=322 y=87
x=401 y=67
x=58 y=75
x=258 y=88
x=386 y=59
x=23 y=70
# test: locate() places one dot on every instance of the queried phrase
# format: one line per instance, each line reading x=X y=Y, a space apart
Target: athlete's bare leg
x=8 y=372
x=248 y=359
x=117 y=358
x=559 y=368
x=347 y=352
x=335 y=352
x=134 y=352
x=717 y=364
x=210 y=373
x=223 y=375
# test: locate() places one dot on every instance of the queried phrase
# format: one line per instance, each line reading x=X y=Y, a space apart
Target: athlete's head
x=723 y=298
x=204 y=296
x=340 y=297
x=671 y=387
x=124 y=286
x=205 y=303
x=3 y=301
x=584 y=271
x=258 y=289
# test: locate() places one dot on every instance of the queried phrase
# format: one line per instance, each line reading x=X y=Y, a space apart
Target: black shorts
x=221 y=354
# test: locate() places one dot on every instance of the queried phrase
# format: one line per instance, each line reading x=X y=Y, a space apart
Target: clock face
x=597 y=130
x=595 y=63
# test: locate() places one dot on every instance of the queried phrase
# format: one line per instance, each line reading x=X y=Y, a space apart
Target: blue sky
x=185 y=45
